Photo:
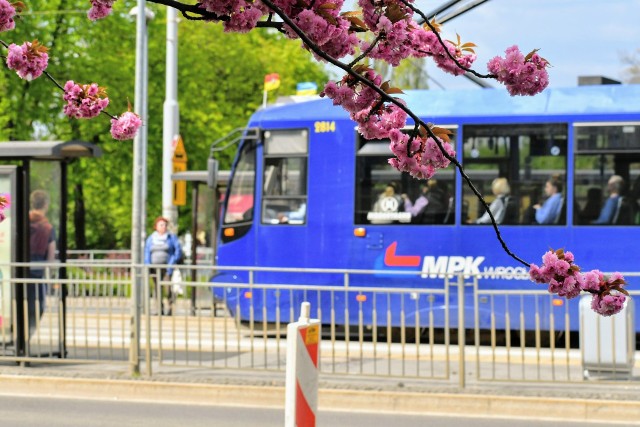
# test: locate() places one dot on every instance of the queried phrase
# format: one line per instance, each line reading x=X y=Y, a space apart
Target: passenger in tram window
x=608 y=211
x=438 y=196
x=420 y=204
x=501 y=190
x=591 y=209
x=385 y=202
x=549 y=212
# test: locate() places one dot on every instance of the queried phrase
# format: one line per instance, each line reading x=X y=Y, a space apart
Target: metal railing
x=403 y=332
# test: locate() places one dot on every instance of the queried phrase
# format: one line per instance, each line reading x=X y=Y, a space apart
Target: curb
x=565 y=409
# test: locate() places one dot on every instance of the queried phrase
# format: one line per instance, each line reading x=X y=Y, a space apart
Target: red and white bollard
x=303 y=347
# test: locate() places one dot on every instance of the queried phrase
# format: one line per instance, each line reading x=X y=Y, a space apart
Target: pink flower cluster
x=419 y=156
x=523 y=75
x=566 y=280
x=28 y=60
x=444 y=61
x=5 y=202
x=324 y=26
x=84 y=101
x=126 y=126
x=375 y=118
x=7 y=12
x=401 y=37
x=100 y=9
x=243 y=14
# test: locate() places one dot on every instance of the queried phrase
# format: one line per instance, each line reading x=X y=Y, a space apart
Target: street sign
x=179 y=161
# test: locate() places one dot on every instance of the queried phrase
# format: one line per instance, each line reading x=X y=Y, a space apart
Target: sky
x=578 y=37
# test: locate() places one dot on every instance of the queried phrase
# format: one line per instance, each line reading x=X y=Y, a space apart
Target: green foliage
x=221 y=78
x=220 y=85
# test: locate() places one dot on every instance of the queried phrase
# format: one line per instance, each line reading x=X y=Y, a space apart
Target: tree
x=101 y=184
x=331 y=36
x=632 y=70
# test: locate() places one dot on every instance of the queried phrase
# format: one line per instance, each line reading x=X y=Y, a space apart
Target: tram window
x=607 y=174
x=525 y=156
x=383 y=195
x=284 y=191
x=242 y=188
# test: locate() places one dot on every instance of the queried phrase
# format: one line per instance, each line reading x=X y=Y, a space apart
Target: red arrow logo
x=393 y=260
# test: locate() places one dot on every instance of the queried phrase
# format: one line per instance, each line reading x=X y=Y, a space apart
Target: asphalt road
x=32 y=411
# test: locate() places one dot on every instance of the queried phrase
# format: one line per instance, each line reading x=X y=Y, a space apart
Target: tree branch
x=426 y=20
x=400 y=105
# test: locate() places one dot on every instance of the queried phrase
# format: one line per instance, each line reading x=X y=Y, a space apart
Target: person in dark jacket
x=42 y=248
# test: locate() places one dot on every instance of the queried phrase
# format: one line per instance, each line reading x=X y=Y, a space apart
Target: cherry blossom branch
x=430 y=25
x=204 y=15
x=400 y=105
x=366 y=52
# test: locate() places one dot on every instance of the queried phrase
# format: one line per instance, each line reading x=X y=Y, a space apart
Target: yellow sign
x=179 y=153
x=312 y=335
x=179 y=165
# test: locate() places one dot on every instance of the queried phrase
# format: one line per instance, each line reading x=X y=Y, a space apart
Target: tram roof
x=579 y=100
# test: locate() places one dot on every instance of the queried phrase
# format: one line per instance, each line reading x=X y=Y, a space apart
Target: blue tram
x=307 y=191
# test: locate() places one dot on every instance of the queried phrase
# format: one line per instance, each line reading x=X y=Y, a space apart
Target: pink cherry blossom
x=422 y=159
x=7 y=12
x=591 y=280
x=559 y=272
x=608 y=305
x=126 y=126
x=84 y=101
x=522 y=75
x=566 y=280
x=100 y=9
x=28 y=60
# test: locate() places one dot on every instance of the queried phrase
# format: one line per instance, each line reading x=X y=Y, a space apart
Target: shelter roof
x=48 y=150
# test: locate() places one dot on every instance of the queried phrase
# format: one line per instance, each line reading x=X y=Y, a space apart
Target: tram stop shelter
x=206 y=194
x=24 y=167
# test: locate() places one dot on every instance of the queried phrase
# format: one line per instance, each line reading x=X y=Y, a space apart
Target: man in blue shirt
x=614 y=187
x=549 y=212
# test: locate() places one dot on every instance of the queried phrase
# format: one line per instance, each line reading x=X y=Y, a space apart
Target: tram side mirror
x=212 y=173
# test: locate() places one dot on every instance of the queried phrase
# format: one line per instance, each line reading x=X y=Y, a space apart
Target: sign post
x=301 y=391
x=179 y=165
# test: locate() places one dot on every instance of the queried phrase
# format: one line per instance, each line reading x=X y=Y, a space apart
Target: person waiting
x=608 y=211
x=498 y=208
x=549 y=211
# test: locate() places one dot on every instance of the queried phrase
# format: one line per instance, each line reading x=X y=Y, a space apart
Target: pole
x=301 y=387
x=139 y=153
x=171 y=117
x=462 y=335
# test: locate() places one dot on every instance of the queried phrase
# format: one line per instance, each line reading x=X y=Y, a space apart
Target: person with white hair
x=608 y=211
x=501 y=189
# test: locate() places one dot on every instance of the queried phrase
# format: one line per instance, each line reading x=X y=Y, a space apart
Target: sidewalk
x=611 y=403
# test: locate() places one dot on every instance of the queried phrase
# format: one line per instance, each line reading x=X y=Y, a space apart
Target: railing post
x=461 y=332
x=147 y=310
x=134 y=341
